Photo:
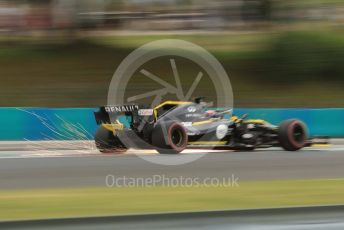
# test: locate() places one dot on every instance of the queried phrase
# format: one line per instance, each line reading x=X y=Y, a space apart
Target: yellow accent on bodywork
x=234 y=118
x=202 y=122
x=114 y=127
x=256 y=121
x=321 y=145
x=168 y=103
x=172 y=103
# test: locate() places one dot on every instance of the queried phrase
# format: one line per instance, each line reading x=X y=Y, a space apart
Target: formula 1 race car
x=174 y=126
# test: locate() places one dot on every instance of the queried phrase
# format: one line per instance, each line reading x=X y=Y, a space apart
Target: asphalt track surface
x=307 y=218
x=21 y=169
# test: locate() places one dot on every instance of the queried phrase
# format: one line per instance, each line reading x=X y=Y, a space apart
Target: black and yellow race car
x=174 y=126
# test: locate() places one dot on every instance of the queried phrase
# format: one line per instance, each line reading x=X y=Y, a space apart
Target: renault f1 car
x=174 y=126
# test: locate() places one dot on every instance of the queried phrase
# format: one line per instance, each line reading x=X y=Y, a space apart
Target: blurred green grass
x=54 y=203
x=267 y=69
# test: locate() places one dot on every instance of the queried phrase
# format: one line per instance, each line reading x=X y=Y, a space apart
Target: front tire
x=106 y=142
x=292 y=135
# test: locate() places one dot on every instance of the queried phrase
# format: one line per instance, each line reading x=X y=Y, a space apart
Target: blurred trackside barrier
x=79 y=124
x=46 y=123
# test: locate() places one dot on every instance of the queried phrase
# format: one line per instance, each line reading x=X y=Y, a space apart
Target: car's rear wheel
x=292 y=135
x=169 y=138
x=106 y=142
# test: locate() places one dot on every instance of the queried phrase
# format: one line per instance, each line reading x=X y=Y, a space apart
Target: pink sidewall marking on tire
x=175 y=147
x=291 y=134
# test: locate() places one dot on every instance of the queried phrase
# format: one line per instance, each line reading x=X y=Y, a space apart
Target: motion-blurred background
x=278 y=53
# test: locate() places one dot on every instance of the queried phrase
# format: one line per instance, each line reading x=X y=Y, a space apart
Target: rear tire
x=169 y=138
x=106 y=142
x=292 y=135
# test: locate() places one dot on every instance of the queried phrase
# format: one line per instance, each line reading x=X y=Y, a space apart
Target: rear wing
x=108 y=114
x=111 y=112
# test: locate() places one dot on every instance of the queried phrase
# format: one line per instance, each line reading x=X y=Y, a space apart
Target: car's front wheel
x=292 y=135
